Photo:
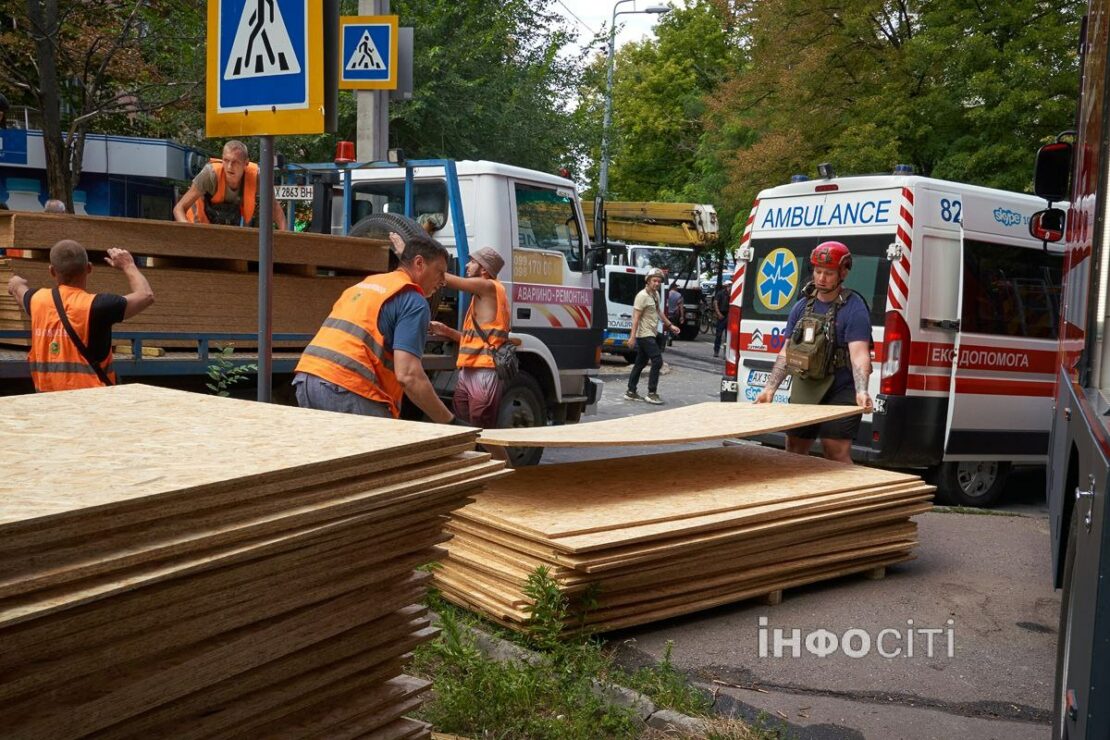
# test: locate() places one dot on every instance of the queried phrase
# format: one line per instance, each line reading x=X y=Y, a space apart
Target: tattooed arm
x=778 y=374
x=860 y=354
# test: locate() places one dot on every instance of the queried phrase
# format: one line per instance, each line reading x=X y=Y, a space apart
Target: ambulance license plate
x=758 y=379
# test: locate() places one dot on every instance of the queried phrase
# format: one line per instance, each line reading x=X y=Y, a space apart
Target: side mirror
x=1047 y=225
x=1052 y=171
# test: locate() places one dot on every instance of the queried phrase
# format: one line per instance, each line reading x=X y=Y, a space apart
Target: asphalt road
x=983 y=580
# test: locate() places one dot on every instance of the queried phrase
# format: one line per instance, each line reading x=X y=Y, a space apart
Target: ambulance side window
x=1010 y=291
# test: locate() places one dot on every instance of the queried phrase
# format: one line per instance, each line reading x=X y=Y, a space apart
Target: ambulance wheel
x=688 y=332
x=522 y=406
x=971 y=482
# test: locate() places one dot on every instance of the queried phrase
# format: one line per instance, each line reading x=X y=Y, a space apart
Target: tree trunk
x=43 y=15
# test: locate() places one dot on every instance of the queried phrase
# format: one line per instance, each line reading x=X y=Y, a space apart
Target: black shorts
x=845 y=428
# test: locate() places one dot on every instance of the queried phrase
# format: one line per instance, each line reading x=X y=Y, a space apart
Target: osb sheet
x=557 y=501
x=77 y=450
x=679 y=425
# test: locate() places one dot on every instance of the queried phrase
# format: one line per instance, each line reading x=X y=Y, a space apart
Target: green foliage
x=224 y=373
x=477 y=697
x=548 y=610
x=667 y=686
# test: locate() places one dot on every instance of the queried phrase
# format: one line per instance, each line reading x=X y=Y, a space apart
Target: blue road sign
x=368 y=52
x=265 y=56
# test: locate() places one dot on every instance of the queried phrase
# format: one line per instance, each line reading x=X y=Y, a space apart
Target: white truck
x=534 y=220
x=964 y=308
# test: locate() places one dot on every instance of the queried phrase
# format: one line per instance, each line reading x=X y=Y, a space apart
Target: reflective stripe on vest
x=55 y=363
x=247 y=196
x=350 y=351
x=473 y=350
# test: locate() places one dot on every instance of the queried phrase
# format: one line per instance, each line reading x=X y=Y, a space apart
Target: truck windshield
x=547 y=219
x=678 y=262
x=388 y=196
x=780 y=269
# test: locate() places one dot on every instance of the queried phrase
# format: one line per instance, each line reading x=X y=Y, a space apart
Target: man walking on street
x=367 y=356
x=486 y=327
x=71 y=329
x=646 y=338
x=721 y=301
x=828 y=353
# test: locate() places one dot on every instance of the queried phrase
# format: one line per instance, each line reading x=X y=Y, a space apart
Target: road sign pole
x=265 y=268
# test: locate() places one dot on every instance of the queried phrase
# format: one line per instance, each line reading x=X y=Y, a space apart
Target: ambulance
x=964 y=311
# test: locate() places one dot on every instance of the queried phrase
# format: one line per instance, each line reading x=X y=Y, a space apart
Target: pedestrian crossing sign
x=265 y=72
x=368 y=52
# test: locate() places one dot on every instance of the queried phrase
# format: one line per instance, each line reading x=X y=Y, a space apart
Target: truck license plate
x=293 y=192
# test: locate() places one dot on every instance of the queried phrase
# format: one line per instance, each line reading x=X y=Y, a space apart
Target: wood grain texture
x=145 y=237
x=680 y=425
x=174 y=564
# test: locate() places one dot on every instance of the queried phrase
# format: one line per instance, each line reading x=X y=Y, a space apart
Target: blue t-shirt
x=403 y=322
x=853 y=324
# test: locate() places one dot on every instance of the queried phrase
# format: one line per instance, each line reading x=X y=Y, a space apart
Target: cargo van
x=964 y=310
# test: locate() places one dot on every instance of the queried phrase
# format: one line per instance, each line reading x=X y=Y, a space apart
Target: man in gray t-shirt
x=225 y=192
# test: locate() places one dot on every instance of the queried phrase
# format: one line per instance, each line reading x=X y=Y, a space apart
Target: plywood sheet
x=558 y=501
x=679 y=425
x=145 y=237
x=138 y=443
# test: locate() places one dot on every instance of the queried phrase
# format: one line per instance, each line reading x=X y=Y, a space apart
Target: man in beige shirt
x=646 y=338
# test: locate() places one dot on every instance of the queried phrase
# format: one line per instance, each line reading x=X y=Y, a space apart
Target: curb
x=503 y=651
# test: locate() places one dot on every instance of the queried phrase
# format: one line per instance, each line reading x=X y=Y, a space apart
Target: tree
x=959 y=90
x=80 y=62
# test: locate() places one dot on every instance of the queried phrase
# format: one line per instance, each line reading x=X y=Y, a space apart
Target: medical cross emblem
x=778 y=277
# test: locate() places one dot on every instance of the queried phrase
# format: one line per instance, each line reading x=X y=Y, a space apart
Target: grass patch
x=477 y=697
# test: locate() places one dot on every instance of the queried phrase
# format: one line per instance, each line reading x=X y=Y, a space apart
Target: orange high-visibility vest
x=56 y=365
x=473 y=351
x=247 y=198
x=350 y=351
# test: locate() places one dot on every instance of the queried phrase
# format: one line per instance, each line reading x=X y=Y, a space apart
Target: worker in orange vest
x=225 y=191
x=478 y=389
x=71 y=329
x=367 y=355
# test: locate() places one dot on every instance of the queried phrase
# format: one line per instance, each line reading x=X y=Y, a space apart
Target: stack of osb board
x=203 y=278
x=179 y=565
x=638 y=539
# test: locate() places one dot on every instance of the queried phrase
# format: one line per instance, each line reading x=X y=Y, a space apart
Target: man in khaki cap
x=485 y=328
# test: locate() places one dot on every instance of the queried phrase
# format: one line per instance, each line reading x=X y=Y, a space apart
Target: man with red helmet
x=828 y=353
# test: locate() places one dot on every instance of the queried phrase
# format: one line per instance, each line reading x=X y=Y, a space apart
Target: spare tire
x=379 y=225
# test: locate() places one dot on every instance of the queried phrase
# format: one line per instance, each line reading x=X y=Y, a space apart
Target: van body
x=964 y=311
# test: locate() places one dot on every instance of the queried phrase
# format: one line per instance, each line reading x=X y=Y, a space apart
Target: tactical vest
x=813 y=353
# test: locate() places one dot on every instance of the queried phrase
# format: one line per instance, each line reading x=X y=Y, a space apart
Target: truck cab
x=534 y=220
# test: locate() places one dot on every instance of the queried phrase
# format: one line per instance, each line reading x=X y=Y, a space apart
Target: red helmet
x=831 y=254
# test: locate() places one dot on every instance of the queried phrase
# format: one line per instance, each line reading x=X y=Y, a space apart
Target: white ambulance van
x=964 y=312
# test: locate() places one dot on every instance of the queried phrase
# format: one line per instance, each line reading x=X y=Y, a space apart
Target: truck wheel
x=688 y=332
x=522 y=406
x=971 y=482
x=1063 y=634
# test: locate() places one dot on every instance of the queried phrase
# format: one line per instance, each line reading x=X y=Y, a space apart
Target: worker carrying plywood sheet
x=367 y=355
x=827 y=352
x=71 y=329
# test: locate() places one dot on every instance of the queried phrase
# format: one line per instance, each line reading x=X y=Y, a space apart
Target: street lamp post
x=603 y=176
